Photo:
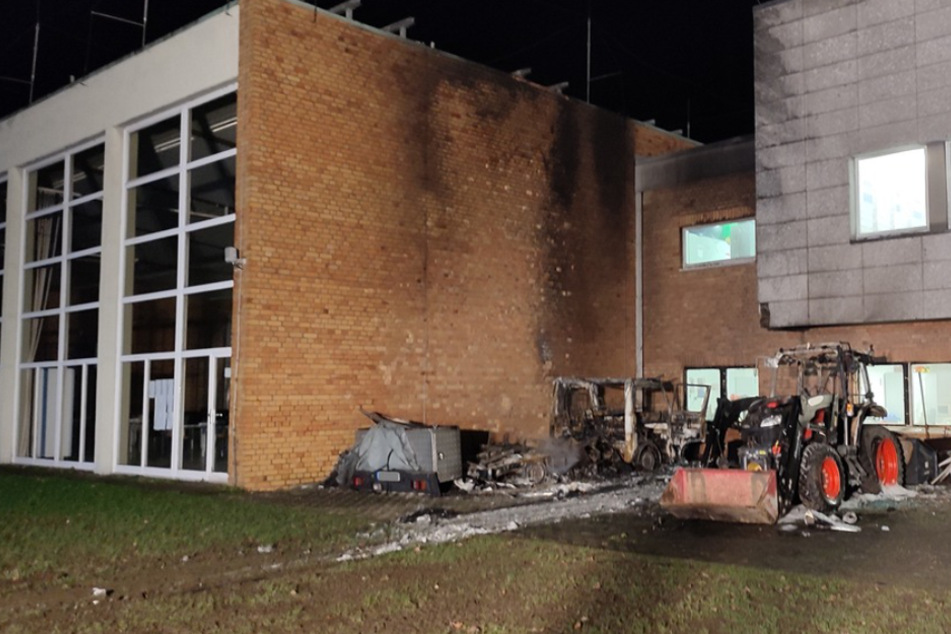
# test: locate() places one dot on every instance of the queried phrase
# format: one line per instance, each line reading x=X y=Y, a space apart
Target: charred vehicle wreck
x=642 y=422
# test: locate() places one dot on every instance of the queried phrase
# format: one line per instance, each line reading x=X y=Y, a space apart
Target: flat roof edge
x=722 y=158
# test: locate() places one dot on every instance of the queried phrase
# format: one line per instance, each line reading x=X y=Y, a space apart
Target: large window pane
x=206 y=255
x=86 y=230
x=196 y=423
x=892 y=192
x=46 y=187
x=161 y=409
x=40 y=339
x=931 y=393
x=71 y=428
x=154 y=265
x=84 y=280
x=82 y=334
x=209 y=319
x=212 y=190
x=703 y=376
x=222 y=418
x=153 y=207
x=742 y=383
x=887 y=384
x=156 y=147
x=89 y=444
x=214 y=127
x=87 y=171
x=44 y=237
x=153 y=326
x=130 y=427
x=39 y=414
x=41 y=288
x=718 y=243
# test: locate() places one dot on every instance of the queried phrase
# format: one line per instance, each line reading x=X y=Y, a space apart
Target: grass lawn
x=61 y=534
x=73 y=525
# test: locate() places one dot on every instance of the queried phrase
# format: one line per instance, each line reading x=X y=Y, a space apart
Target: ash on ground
x=553 y=503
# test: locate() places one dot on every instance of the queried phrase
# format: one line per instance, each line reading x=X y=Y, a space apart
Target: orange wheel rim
x=831 y=479
x=886 y=462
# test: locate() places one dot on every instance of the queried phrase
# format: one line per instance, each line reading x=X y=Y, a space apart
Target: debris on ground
x=435 y=527
x=847 y=519
x=525 y=464
x=800 y=515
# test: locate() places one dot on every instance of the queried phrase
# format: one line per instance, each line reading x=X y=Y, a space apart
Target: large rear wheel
x=822 y=478
x=883 y=458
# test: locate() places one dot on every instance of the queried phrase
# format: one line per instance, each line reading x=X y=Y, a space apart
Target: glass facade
x=173 y=214
x=179 y=211
x=62 y=250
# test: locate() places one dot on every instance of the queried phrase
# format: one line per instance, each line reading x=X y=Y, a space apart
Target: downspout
x=639 y=282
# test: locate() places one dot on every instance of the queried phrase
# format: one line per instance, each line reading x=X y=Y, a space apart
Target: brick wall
x=424 y=236
x=710 y=316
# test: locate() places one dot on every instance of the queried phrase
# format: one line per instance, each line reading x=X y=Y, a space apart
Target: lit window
x=887 y=384
x=742 y=383
x=726 y=242
x=739 y=383
x=931 y=393
x=891 y=193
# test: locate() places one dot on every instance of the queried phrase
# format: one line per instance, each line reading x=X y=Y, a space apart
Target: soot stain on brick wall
x=588 y=254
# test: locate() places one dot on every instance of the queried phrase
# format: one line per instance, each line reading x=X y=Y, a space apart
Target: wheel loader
x=814 y=444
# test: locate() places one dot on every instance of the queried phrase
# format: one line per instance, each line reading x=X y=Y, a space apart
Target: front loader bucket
x=723 y=495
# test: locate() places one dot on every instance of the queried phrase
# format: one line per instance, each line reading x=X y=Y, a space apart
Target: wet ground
x=906 y=545
x=902 y=544
x=902 y=539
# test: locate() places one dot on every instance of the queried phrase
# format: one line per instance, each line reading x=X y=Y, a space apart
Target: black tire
x=822 y=478
x=648 y=457
x=883 y=459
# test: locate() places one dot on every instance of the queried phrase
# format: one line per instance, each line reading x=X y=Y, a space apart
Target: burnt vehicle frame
x=646 y=424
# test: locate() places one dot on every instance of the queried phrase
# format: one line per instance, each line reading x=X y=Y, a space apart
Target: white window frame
x=856 y=196
x=685 y=266
x=181 y=291
x=61 y=312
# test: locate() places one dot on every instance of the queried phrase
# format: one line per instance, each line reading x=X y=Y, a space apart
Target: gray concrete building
x=853 y=118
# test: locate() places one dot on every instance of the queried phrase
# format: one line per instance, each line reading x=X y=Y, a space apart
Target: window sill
x=717 y=265
x=892 y=235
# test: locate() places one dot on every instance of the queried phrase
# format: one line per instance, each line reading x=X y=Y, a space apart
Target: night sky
x=675 y=61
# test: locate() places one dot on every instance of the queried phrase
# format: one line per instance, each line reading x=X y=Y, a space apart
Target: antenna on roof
x=345 y=8
x=558 y=88
x=142 y=25
x=400 y=26
x=36 y=48
x=587 y=74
